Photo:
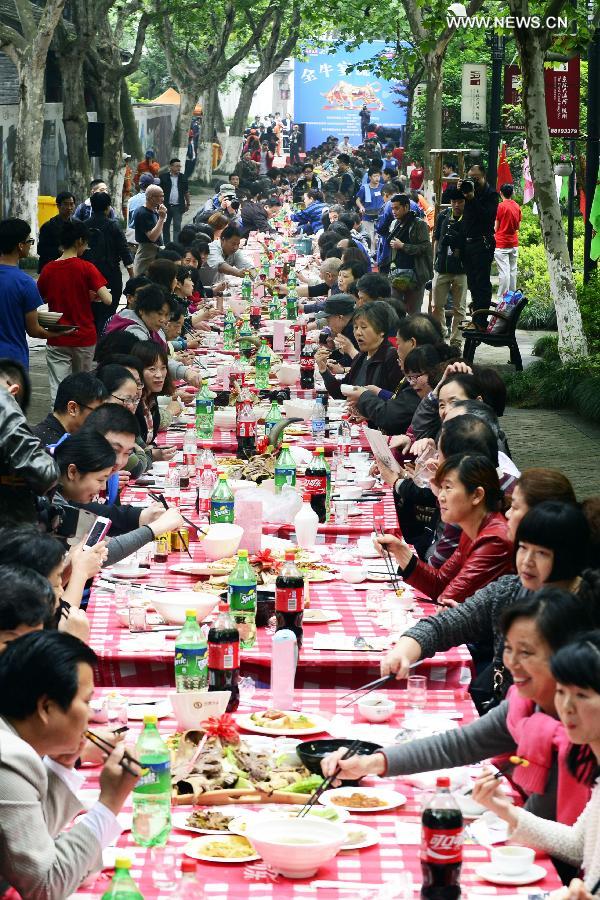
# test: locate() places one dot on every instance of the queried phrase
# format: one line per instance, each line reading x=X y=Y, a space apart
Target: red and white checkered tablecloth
x=156 y=870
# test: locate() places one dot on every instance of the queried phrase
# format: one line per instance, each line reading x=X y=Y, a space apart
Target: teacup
x=512 y=860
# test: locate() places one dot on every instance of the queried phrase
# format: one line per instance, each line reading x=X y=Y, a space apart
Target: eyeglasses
x=126 y=401
x=413 y=378
x=30 y=241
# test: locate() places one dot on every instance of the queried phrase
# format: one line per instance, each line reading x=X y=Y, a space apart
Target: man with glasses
x=76 y=397
x=19 y=296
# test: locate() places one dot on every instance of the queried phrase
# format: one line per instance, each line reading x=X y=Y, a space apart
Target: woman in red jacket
x=469 y=496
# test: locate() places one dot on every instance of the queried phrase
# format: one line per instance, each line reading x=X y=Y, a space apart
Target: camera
x=59 y=519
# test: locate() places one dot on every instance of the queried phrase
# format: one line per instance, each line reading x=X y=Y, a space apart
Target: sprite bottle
x=291 y=304
x=263 y=367
x=273 y=417
x=229 y=331
x=246 y=336
x=221 y=501
x=265 y=265
x=191 y=672
x=247 y=287
x=285 y=469
x=205 y=412
x=122 y=886
x=274 y=307
x=152 y=793
x=241 y=594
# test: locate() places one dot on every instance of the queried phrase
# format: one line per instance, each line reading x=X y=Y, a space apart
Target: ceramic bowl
x=296 y=848
x=222 y=540
x=376 y=708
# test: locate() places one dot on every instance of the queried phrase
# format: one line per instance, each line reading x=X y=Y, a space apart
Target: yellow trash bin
x=46 y=209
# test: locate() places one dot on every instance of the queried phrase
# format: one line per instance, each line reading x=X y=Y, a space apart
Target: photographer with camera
x=26 y=469
x=479 y=220
x=449 y=247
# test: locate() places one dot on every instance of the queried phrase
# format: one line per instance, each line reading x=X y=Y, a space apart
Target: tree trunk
x=410 y=104
x=571 y=338
x=75 y=120
x=28 y=146
x=432 y=138
x=211 y=117
x=107 y=92
x=131 y=135
x=187 y=104
x=233 y=143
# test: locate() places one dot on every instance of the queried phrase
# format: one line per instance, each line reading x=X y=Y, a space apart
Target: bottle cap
x=123 y=862
x=223 y=606
x=190 y=613
x=150 y=720
x=242 y=554
x=188 y=865
x=319 y=450
x=285 y=446
x=290 y=554
x=442 y=781
x=222 y=476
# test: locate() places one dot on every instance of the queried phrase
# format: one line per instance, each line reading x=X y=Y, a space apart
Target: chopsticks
x=389 y=563
x=107 y=747
x=512 y=761
x=327 y=782
x=140 y=584
x=367 y=688
x=160 y=498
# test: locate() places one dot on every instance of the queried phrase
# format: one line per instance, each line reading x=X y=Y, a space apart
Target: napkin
x=322 y=641
x=345 y=727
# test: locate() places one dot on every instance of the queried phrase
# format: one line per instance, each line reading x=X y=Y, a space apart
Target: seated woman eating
x=525 y=724
x=470 y=497
x=376 y=363
x=156 y=383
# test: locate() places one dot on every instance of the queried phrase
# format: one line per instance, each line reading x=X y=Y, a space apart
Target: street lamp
x=496 y=43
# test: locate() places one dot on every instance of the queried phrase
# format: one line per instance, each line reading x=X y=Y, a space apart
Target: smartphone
x=97 y=532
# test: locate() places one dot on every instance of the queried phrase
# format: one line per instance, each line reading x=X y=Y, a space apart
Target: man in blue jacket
x=310 y=219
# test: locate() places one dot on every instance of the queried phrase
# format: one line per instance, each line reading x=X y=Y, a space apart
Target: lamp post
x=496 y=42
x=592 y=173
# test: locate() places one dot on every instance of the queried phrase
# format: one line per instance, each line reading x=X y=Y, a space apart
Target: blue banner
x=328 y=98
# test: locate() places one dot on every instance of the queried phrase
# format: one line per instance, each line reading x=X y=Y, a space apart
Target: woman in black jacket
x=377 y=362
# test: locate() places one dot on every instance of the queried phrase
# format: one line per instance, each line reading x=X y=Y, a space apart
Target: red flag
x=504 y=173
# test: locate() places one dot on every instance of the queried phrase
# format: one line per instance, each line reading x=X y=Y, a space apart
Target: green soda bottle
x=273 y=417
x=292 y=281
x=221 y=502
x=246 y=336
x=205 y=412
x=241 y=594
x=191 y=662
x=274 y=307
x=265 y=265
x=229 y=331
x=152 y=794
x=247 y=287
x=285 y=469
x=122 y=886
x=263 y=367
x=291 y=304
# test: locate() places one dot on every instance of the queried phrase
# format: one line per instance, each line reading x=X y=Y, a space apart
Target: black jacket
x=383 y=369
x=107 y=245
x=254 y=218
x=391 y=416
x=450 y=244
x=49 y=430
x=479 y=217
x=49 y=241
x=182 y=187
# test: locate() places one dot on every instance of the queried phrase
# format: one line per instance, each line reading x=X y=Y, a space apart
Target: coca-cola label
x=289 y=599
x=246 y=429
x=189 y=459
x=315 y=484
x=224 y=656
x=307 y=362
x=441 y=847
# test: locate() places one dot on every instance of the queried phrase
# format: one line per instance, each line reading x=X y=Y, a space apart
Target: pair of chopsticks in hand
x=327 y=782
x=160 y=498
x=107 y=747
x=390 y=563
x=512 y=761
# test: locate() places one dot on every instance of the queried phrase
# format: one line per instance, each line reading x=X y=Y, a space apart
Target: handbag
x=403 y=279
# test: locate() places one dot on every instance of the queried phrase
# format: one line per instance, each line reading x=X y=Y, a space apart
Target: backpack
x=100 y=247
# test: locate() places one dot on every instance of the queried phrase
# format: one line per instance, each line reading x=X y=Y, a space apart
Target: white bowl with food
x=221 y=540
x=172 y=605
x=353 y=574
x=376 y=708
x=348 y=491
x=366 y=548
x=193 y=707
x=367 y=482
x=296 y=848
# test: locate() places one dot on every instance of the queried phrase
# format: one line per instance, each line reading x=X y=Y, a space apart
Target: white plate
x=276 y=810
x=180 y=818
x=133 y=572
x=489 y=873
x=195 y=850
x=314 y=616
x=432 y=724
x=370 y=838
x=393 y=799
x=321 y=724
x=365 y=553
x=241 y=822
x=197 y=568
x=137 y=710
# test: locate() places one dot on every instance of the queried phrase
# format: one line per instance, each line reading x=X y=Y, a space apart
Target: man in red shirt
x=417 y=174
x=508 y=220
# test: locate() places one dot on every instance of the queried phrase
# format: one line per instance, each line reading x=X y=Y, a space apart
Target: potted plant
x=563 y=164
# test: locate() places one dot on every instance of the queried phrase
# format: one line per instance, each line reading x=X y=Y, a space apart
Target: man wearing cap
x=177 y=198
x=148 y=165
x=339 y=311
x=135 y=202
x=218 y=202
x=449 y=243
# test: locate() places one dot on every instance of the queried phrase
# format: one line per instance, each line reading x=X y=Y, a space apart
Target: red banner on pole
x=562 y=97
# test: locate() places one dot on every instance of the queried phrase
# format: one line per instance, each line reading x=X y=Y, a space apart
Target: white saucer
x=489 y=873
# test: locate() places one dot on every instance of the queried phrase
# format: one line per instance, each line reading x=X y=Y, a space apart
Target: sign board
x=328 y=98
x=473 y=94
x=562 y=87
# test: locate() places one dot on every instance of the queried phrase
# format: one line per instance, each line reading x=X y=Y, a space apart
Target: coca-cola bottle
x=255 y=311
x=224 y=656
x=315 y=484
x=307 y=367
x=441 y=844
x=245 y=423
x=289 y=597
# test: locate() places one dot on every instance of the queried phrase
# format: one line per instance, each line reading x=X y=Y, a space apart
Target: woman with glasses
x=121 y=385
x=156 y=382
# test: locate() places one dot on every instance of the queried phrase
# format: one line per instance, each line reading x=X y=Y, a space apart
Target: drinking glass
x=121 y=595
x=137 y=610
x=416 y=691
x=247 y=688
x=342 y=509
x=374 y=600
x=116 y=709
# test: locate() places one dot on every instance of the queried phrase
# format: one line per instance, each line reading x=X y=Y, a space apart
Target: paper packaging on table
x=284 y=659
x=279 y=335
x=248 y=514
x=380 y=449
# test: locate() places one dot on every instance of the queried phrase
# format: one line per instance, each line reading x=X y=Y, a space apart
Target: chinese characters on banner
x=562 y=97
x=473 y=94
x=328 y=98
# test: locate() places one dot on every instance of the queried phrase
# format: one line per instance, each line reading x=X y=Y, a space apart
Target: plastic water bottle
x=190 y=450
x=241 y=595
x=205 y=412
x=343 y=445
x=318 y=422
x=285 y=469
x=122 y=886
x=191 y=672
x=263 y=367
x=221 y=502
x=229 y=331
x=188 y=887
x=152 y=794
x=284 y=659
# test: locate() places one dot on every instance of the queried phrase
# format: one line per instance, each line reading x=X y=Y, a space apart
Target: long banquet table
x=397 y=853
